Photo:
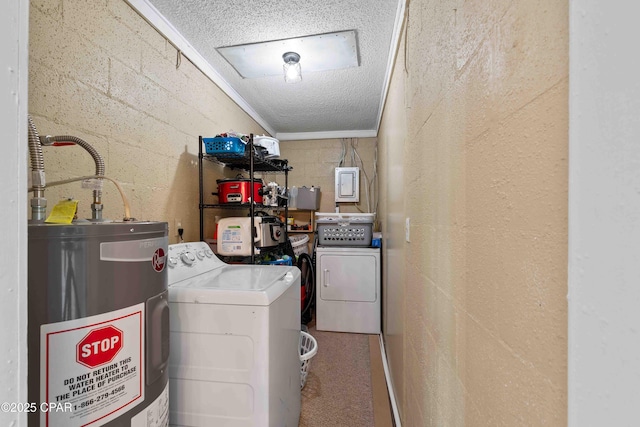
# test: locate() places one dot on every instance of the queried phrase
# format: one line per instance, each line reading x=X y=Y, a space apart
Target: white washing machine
x=235 y=341
x=348 y=289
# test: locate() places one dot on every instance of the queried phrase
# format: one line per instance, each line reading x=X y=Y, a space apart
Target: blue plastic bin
x=219 y=145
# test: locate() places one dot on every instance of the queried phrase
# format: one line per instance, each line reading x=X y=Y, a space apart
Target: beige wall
x=479 y=312
x=98 y=71
x=314 y=163
x=392 y=138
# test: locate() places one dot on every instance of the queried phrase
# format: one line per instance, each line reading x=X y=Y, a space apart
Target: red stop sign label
x=99 y=346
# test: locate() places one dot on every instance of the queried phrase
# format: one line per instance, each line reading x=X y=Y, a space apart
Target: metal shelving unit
x=250 y=161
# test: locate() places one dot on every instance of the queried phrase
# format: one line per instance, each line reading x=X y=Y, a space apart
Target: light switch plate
x=407 y=229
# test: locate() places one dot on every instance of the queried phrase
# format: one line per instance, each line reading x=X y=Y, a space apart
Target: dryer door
x=346 y=277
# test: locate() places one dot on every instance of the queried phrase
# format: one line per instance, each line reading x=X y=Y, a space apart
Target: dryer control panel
x=186 y=260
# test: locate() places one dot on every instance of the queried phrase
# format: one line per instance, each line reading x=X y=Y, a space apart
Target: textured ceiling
x=338 y=102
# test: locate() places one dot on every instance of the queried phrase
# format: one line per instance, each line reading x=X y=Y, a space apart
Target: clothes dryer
x=235 y=341
x=348 y=289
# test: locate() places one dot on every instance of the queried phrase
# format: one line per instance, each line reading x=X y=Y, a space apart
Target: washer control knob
x=208 y=252
x=188 y=258
x=173 y=261
x=288 y=277
x=200 y=254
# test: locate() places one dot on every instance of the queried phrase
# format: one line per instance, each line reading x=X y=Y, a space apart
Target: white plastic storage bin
x=271 y=144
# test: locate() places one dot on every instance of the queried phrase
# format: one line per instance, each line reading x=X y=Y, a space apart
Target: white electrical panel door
x=347 y=181
x=348 y=278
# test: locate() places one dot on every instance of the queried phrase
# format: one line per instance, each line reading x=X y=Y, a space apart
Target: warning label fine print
x=94 y=366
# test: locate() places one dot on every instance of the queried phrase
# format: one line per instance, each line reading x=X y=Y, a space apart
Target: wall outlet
x=407 y=229
x=177 y=224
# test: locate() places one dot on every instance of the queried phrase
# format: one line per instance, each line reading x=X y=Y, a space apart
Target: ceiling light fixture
x=292 y=71
x=321 y=52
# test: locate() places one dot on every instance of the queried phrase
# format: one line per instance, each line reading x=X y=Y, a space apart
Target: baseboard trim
x=387 y=376
x=382 y=416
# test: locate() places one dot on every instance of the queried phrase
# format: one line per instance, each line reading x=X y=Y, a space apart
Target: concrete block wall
x=314 y=163
x=100 y=72
x=477 y=330
x=392 y=138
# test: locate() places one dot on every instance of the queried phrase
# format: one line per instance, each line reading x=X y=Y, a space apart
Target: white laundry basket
x=308 y=349
x=299 y=244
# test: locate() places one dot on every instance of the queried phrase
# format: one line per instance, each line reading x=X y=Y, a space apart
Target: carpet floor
x=338 y=391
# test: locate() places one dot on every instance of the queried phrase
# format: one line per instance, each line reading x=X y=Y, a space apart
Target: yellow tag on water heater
x=63 y=212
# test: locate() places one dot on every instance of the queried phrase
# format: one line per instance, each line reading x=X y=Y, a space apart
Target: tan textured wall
x=484 y=328
x=314 y=163
x=392 y=138
x=98 y=71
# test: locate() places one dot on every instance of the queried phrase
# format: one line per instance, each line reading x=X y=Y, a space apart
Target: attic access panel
x=322 y=52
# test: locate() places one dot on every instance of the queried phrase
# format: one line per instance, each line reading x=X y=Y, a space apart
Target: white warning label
x=94 y=366
x=156 y=414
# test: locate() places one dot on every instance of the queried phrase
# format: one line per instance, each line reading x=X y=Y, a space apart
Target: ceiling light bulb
x=292 y=71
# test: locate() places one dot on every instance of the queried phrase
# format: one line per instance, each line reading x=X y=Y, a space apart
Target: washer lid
x=236 y=285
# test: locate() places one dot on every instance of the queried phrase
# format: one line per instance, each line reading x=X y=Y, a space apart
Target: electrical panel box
x=347 y=184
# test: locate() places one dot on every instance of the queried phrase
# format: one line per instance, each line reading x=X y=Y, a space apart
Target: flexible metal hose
x=35 y=149
x=38 y=202
x=97 y=158
x=82 y=143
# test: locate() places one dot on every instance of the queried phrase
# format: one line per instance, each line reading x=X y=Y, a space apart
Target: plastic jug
x=293 y=197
